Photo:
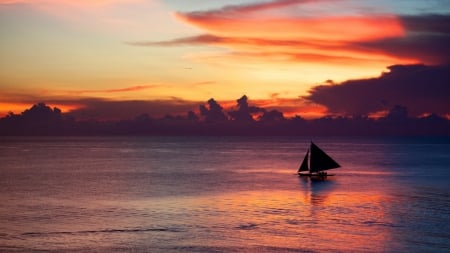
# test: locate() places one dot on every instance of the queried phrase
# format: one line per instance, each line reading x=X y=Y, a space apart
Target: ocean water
x=222 y=194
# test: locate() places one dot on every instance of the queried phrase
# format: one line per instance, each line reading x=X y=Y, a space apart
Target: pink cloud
x=293 y=31
x=273 y=20
x=285 y=50
x=118 y=90
x=328 y=28
x=255 y=7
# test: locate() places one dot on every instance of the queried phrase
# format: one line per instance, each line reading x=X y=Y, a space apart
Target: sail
x=320 y=160
x=304 y=166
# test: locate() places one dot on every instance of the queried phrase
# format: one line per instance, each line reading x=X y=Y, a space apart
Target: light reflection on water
x=222 y=195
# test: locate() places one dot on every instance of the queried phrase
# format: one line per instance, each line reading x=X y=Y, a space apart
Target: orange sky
x=64 y=52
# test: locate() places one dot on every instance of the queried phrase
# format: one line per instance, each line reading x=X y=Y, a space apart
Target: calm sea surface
x=222 y=194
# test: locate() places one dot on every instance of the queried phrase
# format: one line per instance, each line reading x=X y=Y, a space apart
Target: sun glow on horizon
x=135 y=50
x=17 y=108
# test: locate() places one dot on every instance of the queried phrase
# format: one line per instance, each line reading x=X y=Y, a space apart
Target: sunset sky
x=121 y=58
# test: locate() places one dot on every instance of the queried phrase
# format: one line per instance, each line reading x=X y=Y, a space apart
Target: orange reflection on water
x=314 y=218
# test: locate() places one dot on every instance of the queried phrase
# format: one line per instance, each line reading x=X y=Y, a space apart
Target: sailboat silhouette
x=319 y=162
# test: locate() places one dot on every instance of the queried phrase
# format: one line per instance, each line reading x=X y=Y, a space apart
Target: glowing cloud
x=272 y=20
x=324 y=28
x=118 y=90
x=293 y=32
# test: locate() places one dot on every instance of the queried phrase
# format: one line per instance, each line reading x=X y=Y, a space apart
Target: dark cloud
x=429 y=48
x=244 y=111
x=244 y=9
x=231 y=41
x=41 y=120
x=272 y=116
x=427 y=23
x=422 y=89
x=213 y=112
x=285 y=49
x=427 y=38
x=192 y=40
x=112 y=110
x=262 y=30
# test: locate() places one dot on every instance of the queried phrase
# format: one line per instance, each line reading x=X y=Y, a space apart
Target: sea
x=223 y=194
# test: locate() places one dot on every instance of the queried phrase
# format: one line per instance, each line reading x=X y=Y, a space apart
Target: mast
x=320 y=161
x=304 y=165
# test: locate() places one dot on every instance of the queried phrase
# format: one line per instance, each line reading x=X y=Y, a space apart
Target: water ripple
x=133 y=230
x=248 y=226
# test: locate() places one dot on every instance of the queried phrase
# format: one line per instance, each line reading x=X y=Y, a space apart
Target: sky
x=122 y=58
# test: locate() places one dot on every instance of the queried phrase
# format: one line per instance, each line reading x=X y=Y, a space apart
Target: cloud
x=427 y=48
x=427 y=39
x=87 y=104
x=422 y=89
x=213 y=112
x=292 y=107
x=270 y=20
x=281 y=50
x=46 y=94
x=245 y=9
x=102 y=109
x=275 y=19
x=317 y=31
x=292 y=32
x=437 y=24
x=118 y=90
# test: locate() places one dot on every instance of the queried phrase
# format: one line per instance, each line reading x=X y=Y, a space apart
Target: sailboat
x=319 y=162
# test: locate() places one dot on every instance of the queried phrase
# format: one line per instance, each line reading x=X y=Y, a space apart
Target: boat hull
x=315 y=176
